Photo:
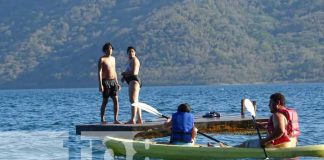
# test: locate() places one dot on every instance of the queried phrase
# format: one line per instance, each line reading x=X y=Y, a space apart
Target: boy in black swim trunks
x=108 y=82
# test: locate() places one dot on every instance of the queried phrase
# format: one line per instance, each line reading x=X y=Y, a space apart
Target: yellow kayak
x=135 y=148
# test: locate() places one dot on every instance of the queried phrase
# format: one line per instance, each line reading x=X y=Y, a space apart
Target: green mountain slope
x=58 y=43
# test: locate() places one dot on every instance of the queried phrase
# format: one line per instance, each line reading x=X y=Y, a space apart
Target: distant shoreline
x=168 y=85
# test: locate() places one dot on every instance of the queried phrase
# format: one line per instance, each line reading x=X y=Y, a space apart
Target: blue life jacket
x=182 y=125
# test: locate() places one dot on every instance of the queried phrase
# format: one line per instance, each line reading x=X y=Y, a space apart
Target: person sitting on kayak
x=183 y=131
x=282 y=126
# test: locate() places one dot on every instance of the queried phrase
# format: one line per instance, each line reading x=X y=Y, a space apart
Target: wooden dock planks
x=225 y=124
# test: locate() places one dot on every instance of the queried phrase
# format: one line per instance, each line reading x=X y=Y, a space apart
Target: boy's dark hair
x=130 y=47
x=105 y=47
x=184 y=107
x=276 y=97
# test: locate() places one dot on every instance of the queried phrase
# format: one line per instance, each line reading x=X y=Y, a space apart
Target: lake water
x=40 y=123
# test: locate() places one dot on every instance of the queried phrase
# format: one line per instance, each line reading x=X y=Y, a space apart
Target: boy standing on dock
x=108 y=82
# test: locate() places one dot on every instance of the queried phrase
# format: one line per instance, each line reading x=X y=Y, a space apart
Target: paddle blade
x=249 y=106
x=147 y=108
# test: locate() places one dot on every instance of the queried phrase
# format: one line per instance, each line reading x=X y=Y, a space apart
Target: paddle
x=249 y=106
x=152 y=110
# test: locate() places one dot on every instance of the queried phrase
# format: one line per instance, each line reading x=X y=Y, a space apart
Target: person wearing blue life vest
x=183 y=130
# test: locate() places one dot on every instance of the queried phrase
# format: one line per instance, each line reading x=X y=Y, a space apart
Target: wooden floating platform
x=154 y=129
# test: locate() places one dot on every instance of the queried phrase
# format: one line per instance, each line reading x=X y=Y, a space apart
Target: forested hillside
x=46 y=44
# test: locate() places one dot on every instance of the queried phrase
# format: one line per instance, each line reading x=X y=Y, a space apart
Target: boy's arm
x=100 y=75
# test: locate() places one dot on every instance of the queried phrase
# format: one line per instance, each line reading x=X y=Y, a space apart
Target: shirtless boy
x=108 y=82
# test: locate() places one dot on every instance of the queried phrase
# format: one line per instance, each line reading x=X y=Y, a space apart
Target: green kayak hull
x=134 y=148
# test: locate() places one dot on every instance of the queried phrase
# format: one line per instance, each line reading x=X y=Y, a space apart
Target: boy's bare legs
x=116 y=109
x=103 y=109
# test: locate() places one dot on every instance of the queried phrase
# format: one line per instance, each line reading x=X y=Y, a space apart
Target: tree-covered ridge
x=57 y=44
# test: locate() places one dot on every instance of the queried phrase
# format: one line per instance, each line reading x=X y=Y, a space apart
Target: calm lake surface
x=40 y=123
